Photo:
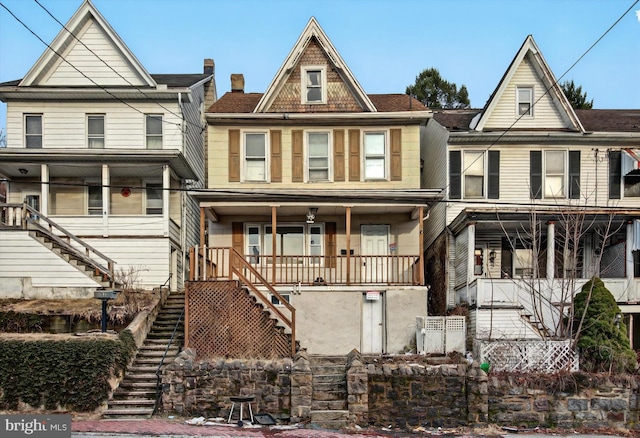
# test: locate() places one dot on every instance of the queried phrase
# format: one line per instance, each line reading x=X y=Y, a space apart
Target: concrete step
x=141 y=377
x=129 y=413
x=142 y=368
x=327 y=360
x=328 y=369
x=340 y=395
x=121 y=394
x=329 y=378
x=141 y=402
x=320 y=416
x=134 y=385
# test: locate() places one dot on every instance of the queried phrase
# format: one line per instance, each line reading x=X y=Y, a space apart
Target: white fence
x=440 y=334
x=528 y=356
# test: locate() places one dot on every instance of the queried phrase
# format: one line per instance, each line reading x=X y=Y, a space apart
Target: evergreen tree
x=435 y=92
x=577 y=98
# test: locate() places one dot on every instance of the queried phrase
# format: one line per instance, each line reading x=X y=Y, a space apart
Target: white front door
x=372 y=323
x=375 y=243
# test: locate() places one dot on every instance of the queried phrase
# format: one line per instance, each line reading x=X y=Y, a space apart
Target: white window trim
x=266 y=252
x=565 y=179
x=286 y=295
x=485 y=169
x=267 y=156
x=24 y=124
x=104 y=129
x=307 y=156
x=303 y=84
x=146 y=205
x=98 y=183
x=531 y=106
x=387 y=155
x=146 y=134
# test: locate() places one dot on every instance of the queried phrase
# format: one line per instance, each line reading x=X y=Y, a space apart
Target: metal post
x=104 y=315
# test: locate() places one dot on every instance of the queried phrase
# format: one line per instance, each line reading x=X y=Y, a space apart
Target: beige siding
x=133 y=204
x=218 y=169
x=545 y=112
x=81 y=57
x=67 y=200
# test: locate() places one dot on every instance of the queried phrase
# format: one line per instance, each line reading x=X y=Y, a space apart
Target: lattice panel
x=224 y=320
x=529 y=356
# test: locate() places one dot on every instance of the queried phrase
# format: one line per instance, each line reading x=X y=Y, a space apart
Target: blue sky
x=386 y=43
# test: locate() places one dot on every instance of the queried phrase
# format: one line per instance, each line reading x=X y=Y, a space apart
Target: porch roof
x=496 y=219
x=14 y=159
x=329 y=201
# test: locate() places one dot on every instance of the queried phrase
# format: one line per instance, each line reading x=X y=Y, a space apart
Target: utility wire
x=114 y=70
x=75 y=68
x=543 y=94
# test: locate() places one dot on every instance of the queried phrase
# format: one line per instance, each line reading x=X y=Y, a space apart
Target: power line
x=75 y=68
x=113 y=69
x=510 y=127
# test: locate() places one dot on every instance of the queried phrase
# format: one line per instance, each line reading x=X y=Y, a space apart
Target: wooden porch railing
x=27 y=218
x=311 y=270
x=227 y=263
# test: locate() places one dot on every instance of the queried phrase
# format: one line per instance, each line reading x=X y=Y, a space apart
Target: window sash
x=525 y=101
x=255 y=156
x=474 y=170
x=154 y=198
x=154 y=131
x=555 y=174
x=94 y=200
x=33 y=131
x=318 y=156
x=95 y=131
x=375 y=155
x=314 y=85
x=292 y=240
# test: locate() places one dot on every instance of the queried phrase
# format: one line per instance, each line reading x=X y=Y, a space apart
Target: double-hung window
x=33 y=131
x=94 y=203
x=95 y=131
x=375 y=155
x=153 y=127
x=555 y=174
x=318 y=156
x=473 y=168
x=255 y=156
x=154 y=198
x=314 y=84
x=293 y=242
x=524 y=103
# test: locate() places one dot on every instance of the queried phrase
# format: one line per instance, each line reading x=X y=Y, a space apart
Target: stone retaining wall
x=405 y=395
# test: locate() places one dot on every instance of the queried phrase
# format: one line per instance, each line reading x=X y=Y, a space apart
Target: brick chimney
x=209 y=66
x=237 y=83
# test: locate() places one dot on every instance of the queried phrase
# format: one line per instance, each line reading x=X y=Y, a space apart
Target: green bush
x=604 y=345
x=71 y=374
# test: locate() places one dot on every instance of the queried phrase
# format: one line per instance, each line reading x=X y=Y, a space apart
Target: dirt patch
x=121 y=310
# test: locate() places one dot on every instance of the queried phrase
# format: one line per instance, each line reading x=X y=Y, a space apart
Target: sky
x=385 y=43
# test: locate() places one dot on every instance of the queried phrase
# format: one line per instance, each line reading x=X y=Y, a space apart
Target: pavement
x=179 y=428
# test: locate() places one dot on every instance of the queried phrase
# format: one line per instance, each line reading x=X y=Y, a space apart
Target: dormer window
x=525 y=101
x=314 y=84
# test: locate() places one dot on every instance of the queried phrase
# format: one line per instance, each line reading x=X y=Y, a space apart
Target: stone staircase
x=329 y=408
x=136 y=395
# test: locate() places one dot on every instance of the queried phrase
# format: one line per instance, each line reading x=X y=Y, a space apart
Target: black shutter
x=455 y=183
x=615 y=174
x=535 y=172
x=574 y=174
x=494 y=175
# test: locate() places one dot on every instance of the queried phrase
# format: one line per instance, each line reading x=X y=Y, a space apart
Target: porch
x=350 y=270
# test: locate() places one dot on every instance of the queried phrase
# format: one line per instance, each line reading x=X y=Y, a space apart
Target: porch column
x=166 y=185
x=471 y=240
x=348 y=230
x=421 y=245
x=551 y=249
x=629 y=254
x=200 y=252
x=202 y=227
x=106 y=196
x=44 y=189
x=274 y=225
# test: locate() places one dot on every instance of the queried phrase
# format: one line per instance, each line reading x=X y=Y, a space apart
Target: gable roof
x=530 y=52
x=313 y=31
x=52 y=69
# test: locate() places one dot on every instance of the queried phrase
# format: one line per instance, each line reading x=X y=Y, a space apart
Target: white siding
x=64 y=123
x=23 y=256
x=461 y=257
x=545 y=112
x=81 y=57
x=502 y=324
x=434 y=175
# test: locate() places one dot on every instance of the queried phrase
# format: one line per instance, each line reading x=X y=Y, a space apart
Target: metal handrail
x=166 y=281
x=164 y=356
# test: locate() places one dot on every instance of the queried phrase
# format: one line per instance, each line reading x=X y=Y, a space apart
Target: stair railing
x=31 y=216
x=164 y=356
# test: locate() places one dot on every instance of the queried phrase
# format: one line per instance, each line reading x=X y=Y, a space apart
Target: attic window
x=314 y=84
x=525 y=101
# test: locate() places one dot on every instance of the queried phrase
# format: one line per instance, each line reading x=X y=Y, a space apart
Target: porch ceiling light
x=23 y=171
x=311 y=215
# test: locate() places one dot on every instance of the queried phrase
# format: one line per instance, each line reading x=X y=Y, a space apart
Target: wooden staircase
x=329 y=405
x=135 y=397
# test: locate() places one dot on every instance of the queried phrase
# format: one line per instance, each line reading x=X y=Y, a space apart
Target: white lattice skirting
x=528 y=356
